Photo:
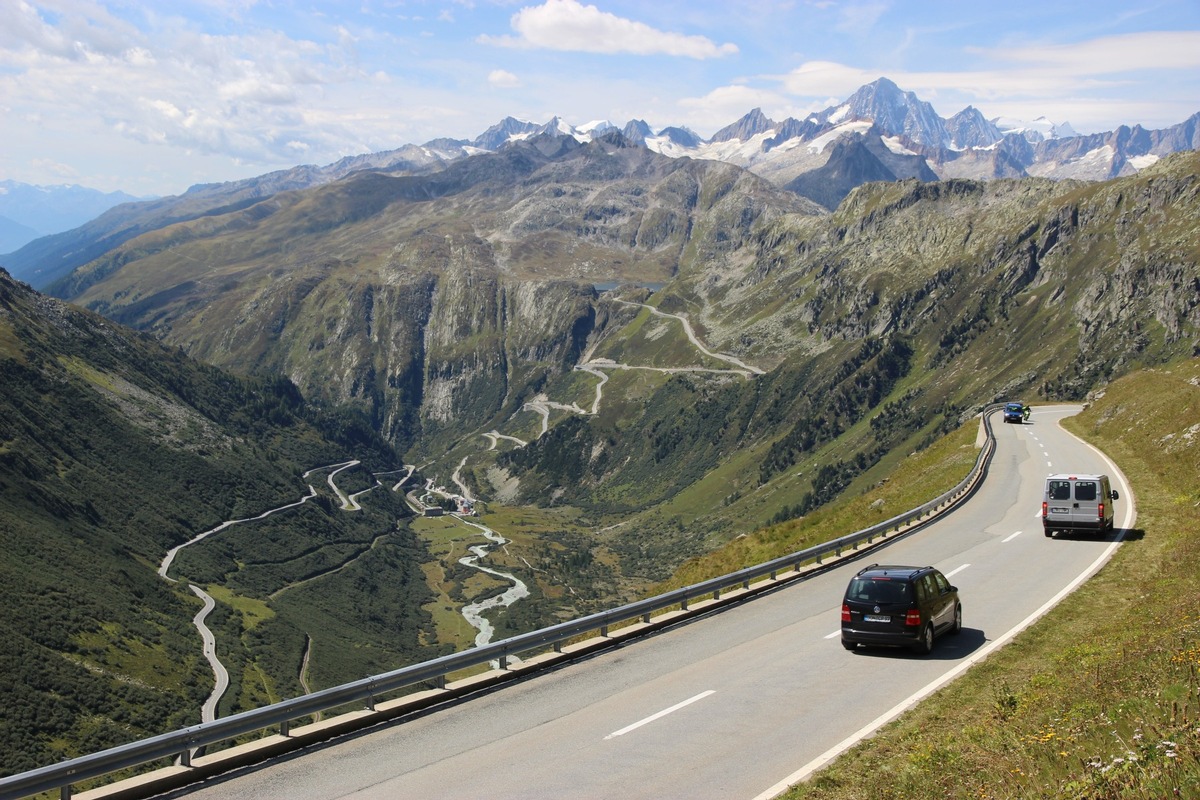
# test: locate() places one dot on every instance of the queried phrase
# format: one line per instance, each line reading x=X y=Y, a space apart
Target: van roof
x=1072 y=476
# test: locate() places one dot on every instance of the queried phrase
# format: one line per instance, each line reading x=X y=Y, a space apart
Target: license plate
x=1060 y=511
x=876 y=618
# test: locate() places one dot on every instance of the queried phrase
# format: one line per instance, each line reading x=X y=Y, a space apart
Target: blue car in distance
x=1014 y=412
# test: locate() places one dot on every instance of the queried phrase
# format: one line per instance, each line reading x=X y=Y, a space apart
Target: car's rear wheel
x=924 y=645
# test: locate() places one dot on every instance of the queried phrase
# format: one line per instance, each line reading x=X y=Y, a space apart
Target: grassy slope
x=113 y=449
x=1101 y=698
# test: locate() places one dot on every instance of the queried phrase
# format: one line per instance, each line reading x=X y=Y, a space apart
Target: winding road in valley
x=474 y=612
x=691 y=335
x=542 y=405
x=208 y=711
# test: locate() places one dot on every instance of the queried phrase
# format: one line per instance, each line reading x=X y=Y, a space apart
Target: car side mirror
x=1114 y=494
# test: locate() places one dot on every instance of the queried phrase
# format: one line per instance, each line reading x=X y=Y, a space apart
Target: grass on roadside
x=1101 y=698
x=919 y=478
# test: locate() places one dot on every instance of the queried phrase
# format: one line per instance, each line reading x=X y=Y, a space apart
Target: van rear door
x=1085 y=510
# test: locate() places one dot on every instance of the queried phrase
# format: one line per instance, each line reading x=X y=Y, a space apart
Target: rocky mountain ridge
x=891 y=125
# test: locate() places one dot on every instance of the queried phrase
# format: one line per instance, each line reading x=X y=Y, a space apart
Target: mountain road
x=736 y=704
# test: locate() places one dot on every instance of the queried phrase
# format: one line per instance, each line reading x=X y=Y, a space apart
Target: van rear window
x=1085 y=490
x=1060 y=490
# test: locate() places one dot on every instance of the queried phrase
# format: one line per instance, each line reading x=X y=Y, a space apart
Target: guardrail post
x=185 y=758
x=716 y=594
x=746 y=583
x=64 y=792
x=604 y=631
x=683 y=604
x=772 y=574
x=646 y=618
x=502 y=661
x=371 y=702
x=285 y=728
x=440 y=682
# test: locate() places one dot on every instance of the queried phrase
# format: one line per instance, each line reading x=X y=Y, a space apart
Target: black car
x=898 y=605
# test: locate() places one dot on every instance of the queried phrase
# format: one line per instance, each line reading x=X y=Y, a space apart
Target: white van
x=1077 y=503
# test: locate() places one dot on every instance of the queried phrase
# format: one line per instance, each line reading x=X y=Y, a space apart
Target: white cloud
x=568 y=25
x=502 y=79
x=727 y=103
x=824 y=78
x=1154 y=50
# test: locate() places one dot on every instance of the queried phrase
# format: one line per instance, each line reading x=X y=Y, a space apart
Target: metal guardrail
x=180 y=744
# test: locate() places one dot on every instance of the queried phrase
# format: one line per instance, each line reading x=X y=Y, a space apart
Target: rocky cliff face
x=437 y=304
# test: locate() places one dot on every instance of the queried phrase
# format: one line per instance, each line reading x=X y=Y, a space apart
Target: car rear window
x=1085 y=490
x=879 y=590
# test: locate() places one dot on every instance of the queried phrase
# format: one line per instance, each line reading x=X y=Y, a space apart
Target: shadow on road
x=945 y=648
x=1121 y=534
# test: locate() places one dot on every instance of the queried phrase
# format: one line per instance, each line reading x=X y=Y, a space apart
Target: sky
x=152 y=97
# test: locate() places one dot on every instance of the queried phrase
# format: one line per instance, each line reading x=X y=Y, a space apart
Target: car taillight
x=1044 y=510
x=1101 y=510
x=913 y=617
x=845 y=613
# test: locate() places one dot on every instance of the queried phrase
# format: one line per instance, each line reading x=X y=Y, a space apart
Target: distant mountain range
x=880 y=133
x=28 y=212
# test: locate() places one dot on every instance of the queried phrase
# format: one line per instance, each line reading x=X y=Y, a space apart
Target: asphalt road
x=740 y=703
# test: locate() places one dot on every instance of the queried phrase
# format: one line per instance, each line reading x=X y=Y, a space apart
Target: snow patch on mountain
x=818 y=144
x=896 y=145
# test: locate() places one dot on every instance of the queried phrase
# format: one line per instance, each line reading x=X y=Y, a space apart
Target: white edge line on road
x=659 y=715
x=1010 y=537
x=982 y=653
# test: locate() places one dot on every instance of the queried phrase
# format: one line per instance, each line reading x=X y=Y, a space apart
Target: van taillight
x=845 y=613
x=1044 y=510
x=1100 y=508
x=913 y=617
